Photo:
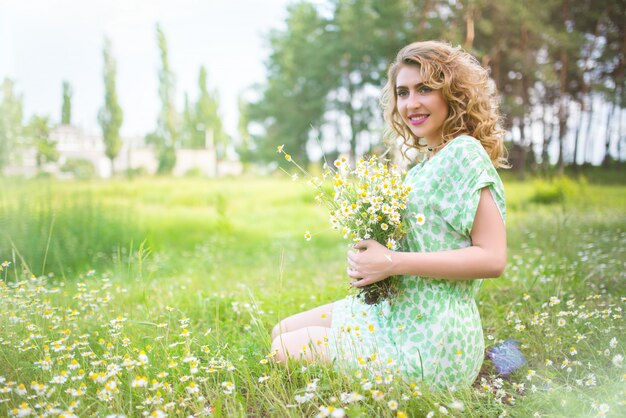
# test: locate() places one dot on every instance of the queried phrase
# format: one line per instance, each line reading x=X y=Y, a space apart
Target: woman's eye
x=402 y=93
x=425 y=89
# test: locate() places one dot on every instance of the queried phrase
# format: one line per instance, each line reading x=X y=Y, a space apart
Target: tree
x=507 y=40
x=11 y=114
x=207 y=116
x=612 y=63
x=292 y=102
x=357 y=65
x=66 y=110
x=165 y=137
x=188 y=131
x=38 y=131
x=243 y=122
x=546 y=57
x=326 y=69
x=110 y=115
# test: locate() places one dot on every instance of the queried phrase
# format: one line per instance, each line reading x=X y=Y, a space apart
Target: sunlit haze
x=43 y=42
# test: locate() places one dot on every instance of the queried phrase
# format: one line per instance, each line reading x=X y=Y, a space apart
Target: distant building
x=73 y=143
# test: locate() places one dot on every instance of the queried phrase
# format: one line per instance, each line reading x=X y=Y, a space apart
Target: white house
x=73 y=143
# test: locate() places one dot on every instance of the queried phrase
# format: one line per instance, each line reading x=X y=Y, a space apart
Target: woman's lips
x=417 y=119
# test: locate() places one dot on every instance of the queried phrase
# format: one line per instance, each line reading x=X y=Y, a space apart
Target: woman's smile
x=421 y=107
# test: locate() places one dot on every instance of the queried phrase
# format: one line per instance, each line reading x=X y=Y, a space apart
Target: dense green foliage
x=38 y=133
x=204 y=268
x=559 y=66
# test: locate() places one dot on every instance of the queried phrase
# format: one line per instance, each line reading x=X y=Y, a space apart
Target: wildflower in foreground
x=603 y=409
x=331 y=411
x=458 y=405
x=303 y=398
x=228 y=387
x=139 y=382
x=192 y=388
x=377 y=395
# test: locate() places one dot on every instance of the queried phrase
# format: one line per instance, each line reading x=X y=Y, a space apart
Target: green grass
x=225 y=259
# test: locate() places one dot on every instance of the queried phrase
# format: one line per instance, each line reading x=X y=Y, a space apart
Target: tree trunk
x=607 y=142
x=523 y=150
x=588 y=139
x=469 y=28
x=350 y=111
x=527 y=146
x=620 y=137
x=563 y=99
x=422 y=21
x=577 y=136
x=548 y=126
x=495 y=67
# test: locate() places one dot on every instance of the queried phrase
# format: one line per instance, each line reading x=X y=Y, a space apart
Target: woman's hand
x=371 y=262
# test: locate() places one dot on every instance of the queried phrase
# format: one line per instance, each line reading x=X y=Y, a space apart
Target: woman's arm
x=486 y=257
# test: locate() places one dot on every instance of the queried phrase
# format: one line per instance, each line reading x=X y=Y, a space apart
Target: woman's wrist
x=397 y=263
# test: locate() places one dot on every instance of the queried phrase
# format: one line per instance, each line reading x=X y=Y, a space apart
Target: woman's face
x=422 y=109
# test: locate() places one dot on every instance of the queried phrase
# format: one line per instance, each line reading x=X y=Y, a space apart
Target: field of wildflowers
x=156 y=298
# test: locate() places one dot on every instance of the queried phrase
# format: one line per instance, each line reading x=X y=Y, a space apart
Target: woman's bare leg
x=303 y=336
x=305 y=344
x=316 y=317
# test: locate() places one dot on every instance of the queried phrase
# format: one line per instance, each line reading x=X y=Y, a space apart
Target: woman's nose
x=413 y=101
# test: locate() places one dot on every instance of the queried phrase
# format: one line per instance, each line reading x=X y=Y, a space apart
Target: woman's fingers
x=360 y=283
x=353 y=273
x=351 y=264
x=352 y=260
x=362 y=245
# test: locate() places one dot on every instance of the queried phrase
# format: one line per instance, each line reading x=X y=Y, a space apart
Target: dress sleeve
x=470 y=171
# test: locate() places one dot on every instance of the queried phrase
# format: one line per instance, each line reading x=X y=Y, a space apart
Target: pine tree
x=167 y=121
x=38 y=131
x=207 y=115
x=110 y=115
x=11 y=113
x=66 y=111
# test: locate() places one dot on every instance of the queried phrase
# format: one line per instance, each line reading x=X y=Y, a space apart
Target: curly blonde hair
x=469 y=92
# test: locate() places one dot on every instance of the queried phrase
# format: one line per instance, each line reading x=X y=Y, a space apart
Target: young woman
x=442 y=102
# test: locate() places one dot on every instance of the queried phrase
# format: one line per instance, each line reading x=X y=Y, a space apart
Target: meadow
x=156 y=297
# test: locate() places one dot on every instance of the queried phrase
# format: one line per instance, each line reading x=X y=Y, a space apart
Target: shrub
x=80 y=169
x=557 y=190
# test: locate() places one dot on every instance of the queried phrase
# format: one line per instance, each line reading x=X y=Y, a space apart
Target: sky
x=43 y=42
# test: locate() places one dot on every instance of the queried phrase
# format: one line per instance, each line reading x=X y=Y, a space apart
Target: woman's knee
x=305 y=344
x=320 y=316
x=278 y=348
x=279 y=328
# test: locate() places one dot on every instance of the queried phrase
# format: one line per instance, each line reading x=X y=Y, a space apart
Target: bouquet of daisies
x=367 y=203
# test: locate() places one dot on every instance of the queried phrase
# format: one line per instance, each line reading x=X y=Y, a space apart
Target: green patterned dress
x=432 y=330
